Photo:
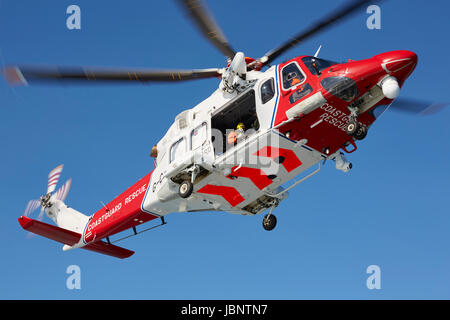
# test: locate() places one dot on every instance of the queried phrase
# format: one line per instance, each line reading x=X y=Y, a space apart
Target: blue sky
x=391 y=210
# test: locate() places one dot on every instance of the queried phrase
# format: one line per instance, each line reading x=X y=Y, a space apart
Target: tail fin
x=71 y=238
x=66 y=217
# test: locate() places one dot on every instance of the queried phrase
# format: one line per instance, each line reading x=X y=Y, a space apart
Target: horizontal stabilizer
x=109 y=249
x=49 y=231
x=70 y=238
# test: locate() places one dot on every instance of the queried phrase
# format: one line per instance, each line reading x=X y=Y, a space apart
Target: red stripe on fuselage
x=230 y=194
x=289 y=161
x=257 y=176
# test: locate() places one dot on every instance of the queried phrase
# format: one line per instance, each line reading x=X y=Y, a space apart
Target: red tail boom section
x=121 y=213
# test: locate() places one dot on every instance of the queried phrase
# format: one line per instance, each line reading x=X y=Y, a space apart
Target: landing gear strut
x=187 y=186
x=270 y=221
x=354 y=128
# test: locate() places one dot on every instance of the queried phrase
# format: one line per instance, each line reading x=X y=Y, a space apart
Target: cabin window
x=291 y=75
x=198 y=136
x=267 y=91
x=178 y=149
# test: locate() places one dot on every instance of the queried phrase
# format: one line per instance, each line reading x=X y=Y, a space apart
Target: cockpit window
x=316 y=65
x=267 y=90
x=291 y=75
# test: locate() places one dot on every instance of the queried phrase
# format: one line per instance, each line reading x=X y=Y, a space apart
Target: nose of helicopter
x=399 y=64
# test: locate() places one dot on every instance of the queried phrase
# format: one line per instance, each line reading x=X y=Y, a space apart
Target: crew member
x=237 y=135
x=295 y=81
x=154 y=152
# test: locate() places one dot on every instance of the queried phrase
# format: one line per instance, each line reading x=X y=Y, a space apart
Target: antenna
x=317 y=52
x=104 y=206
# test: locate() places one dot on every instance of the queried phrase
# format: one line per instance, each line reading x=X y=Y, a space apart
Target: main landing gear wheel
x=269 y=222
x=185 y=189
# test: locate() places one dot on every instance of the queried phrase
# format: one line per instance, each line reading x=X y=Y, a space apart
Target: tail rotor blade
x=53 y=178
x=41 y=214
x=39 y=218
x=49 y=198
x=31 y=206
x=62 y=192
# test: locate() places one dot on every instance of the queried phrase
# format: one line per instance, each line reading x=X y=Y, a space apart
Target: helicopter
x=263 y=131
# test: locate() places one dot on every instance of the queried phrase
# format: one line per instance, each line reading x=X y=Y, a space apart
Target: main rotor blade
x=417 y=106
x=18 y=75
x=337 y=16
x=201 y=16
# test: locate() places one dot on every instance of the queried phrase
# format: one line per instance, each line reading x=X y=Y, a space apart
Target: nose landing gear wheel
x=356 y=129
x=269 y=222
x=185 y=189
x=361 y=133
x=352 y=127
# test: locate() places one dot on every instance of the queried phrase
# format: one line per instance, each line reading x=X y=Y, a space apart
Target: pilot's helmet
x=295 y=81
x=240 y=126
x=292 y=75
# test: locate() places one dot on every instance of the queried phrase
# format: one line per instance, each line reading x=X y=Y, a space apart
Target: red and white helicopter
x=243 y=148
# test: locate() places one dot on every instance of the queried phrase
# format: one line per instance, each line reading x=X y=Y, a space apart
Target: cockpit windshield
x=316 y=65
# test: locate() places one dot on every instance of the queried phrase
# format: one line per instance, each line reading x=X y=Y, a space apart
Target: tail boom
x=121 y=213
x=76 y=230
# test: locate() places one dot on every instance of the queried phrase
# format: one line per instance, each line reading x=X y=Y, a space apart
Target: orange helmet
x=295 y=81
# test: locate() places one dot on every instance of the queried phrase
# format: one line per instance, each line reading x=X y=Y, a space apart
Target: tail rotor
x=46 y=200
x=32 y=205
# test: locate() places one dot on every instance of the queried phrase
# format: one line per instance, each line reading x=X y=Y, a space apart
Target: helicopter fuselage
x=289 y=129
x=291 y=117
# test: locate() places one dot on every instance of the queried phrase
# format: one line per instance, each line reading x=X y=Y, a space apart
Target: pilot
x=237 y=135
x=295 y=79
